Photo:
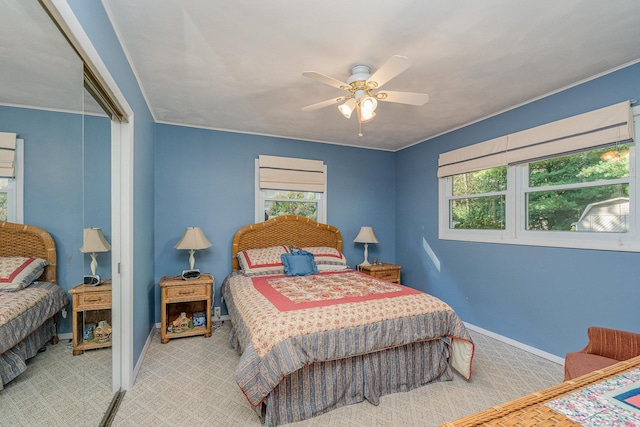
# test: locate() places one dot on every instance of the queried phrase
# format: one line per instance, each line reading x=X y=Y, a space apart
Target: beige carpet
x=189 y=382
x=59 y=389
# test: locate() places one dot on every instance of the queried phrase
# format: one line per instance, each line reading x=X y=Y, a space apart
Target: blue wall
x=96 y=24
x=542 y=297
x=54 y=182
x=206 y=179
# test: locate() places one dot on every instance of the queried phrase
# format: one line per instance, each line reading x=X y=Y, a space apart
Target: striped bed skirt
x=13 y=362
x=324 y=386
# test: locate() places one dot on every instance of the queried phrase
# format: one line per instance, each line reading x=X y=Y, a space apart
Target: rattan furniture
x=531 y=411
x=388 y=272
x=185 y=296
x=91 y=304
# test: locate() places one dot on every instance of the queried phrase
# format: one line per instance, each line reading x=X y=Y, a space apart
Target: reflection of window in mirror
x=11 y=187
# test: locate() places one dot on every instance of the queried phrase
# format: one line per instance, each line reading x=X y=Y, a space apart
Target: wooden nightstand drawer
x=92 y=299
x=392 y=276
x=186 y=291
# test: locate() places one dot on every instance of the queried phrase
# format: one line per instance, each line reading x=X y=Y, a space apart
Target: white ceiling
x=237 y=65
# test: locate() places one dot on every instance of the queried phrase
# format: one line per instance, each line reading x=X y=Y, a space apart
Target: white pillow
x=262 y=261
x=327 y=258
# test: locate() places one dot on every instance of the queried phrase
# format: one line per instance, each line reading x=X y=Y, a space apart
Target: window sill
x=562 y=240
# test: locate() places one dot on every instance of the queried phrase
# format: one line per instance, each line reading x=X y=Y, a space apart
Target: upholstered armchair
x=605 y=347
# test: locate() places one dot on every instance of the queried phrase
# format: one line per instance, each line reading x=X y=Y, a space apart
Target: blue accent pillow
x=299 y=263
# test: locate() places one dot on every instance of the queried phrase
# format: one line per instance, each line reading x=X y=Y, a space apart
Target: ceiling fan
x=361 y=86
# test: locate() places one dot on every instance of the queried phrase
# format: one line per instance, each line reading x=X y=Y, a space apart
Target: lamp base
x=190 y=274
x=91 y=280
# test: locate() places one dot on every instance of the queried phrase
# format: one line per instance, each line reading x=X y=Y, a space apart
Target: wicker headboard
x=284 y=230
x=29 y=241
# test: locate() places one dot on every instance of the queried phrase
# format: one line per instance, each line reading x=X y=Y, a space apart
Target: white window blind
x=485 y=155
x=288 y=173
x=7 y=155
x=609 y=125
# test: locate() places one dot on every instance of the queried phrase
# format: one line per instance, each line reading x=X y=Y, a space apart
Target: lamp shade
x=193 y=238
x=366 y=236
x=347 y=108
x=93 y=241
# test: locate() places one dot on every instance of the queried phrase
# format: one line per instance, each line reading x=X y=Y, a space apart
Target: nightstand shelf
x=91 y=304
x=388 y=272
x=185 y=296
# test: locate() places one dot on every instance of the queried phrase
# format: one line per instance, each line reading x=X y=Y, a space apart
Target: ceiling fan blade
x=326 y=80
x=402 y=97
x=394 y=66
x=322 y=104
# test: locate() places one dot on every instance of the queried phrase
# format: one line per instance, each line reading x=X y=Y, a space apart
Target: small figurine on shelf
x=88 y=331
x=199 y=318
x=181 y=324
x=102 y=332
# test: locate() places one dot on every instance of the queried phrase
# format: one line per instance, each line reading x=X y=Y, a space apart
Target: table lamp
x=192 y=239
x=366 y=236
x=93 y=241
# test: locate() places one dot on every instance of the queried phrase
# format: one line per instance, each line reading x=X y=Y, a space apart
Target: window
x=282 y=202
x=11 y=189
x=583 y=199
x=587 y=192
x=478 y=199
x=289 y=186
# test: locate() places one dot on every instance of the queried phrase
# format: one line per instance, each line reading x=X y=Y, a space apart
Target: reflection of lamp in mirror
x=93 y=241
x=192 y=239
x=366 y=236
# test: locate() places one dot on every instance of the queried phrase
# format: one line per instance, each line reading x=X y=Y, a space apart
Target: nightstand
x=91 y=305
x=185 y=296
x=388 y=272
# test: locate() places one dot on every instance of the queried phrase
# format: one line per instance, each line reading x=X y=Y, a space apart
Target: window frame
x=515 y=231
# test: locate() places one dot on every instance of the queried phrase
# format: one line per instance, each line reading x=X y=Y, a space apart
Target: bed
x=27 y=311
x=313 y=343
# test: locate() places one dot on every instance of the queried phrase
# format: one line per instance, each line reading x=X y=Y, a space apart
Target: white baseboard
x=136 y=368
x=516 y=344
x=65 y=336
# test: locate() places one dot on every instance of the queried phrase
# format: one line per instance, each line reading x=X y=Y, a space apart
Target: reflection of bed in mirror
x=27 y=315
x=312 y=343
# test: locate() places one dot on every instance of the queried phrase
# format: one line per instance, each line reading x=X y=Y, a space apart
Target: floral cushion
x=258 y=262
x=19 y=272
x=328 y=259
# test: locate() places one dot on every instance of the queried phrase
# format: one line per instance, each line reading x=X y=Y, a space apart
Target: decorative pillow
x=299 y=263
x=263 y=261
x=328 y=259
x=19 y=272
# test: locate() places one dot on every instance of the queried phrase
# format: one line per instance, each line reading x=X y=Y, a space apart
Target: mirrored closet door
x=67 y=144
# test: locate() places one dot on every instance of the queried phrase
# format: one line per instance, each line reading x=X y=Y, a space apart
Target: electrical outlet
x=216 y=312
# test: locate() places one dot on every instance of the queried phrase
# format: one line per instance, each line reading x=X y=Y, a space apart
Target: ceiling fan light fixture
x=347 y=108
x=365 y=116
x=368 y=105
